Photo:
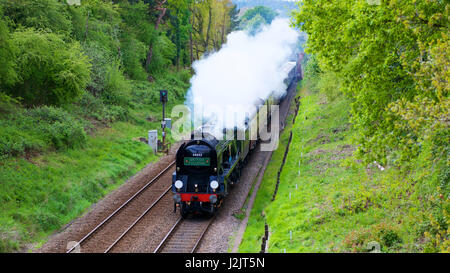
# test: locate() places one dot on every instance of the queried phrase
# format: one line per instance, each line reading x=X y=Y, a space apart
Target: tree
x=39 y=14
x=255 y=17
x=8 y=52
x=381 y=53
x=51 y=71
x=159 y=9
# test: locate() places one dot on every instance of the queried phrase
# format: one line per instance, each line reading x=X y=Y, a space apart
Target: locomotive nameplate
x=197 y=161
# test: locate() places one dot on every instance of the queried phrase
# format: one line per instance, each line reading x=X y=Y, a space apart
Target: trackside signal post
x=163 y=99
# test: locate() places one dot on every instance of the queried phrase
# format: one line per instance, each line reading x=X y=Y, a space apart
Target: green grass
x=46 y=187
x=337 y=204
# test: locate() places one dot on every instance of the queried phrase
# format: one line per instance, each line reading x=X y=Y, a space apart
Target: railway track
x=106 y=235
x=184 y=236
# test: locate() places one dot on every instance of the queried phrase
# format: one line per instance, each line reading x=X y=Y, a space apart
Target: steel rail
x=164 y=240
x=172 y=231
x=202 y=234
x=137 y=220
x=119 y=208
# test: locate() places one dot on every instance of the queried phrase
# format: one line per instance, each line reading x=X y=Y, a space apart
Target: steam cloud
x=246 y=69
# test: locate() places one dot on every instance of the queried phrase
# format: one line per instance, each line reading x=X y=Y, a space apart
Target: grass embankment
x=58 y=161
x=328 y=201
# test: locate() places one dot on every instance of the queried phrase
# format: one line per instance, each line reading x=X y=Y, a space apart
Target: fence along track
x=109 y=217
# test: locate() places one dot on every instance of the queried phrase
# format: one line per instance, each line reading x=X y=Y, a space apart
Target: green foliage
x=253 y=25
x=330 y=84
x=163 y=53
x=8 y=52
x=35 y=130
x=49 y=15
x=333 y=203
x=383 y=54
x=51 y=71
x=7 y=103
x=94 y=108
x=179 y=32
x=311 y=74
x=254 y=18
x=136 y=31
x=59 y=126
x=134 y=54
x=117 y=87
x=266 y=13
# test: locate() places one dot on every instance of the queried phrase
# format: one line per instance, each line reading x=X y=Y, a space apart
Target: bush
x=39 y=14
x=117 y=88
x=7 y=103
x=38 y=129
x=51 y=70
x=384 y=234
x=8 y=50
x=329 y=84
x=164 y=51
x=61 y=128
x=134 y=54
x=92 y=107
x=312 y=73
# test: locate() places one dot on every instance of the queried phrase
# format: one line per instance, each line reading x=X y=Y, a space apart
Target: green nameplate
x=197 y=161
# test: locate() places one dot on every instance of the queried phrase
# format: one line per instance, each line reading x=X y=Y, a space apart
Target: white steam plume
x=245 y=69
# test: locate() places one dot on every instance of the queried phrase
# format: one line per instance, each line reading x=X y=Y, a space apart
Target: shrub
x=134 y=54
x=7 y=103
x=359 y=240
x=8 y=51
x=61 y=129
x=39 y=14
x=51 y=70
x=92 y=107
x=117 y=87
x=38 y=129
x=164 y=51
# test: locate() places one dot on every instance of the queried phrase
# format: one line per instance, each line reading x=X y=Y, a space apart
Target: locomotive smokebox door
x=163 y=96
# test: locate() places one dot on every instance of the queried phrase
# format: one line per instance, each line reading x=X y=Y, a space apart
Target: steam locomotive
x=207 y=167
